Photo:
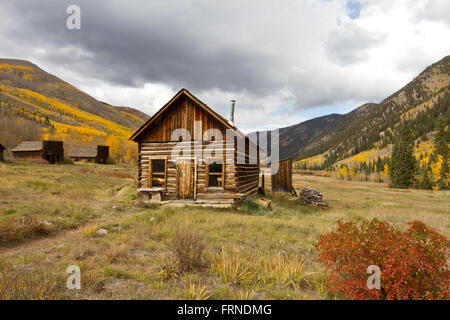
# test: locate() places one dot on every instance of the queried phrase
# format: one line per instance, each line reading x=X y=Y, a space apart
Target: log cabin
x=189 y=153
x=51 y=151
x=97 y=154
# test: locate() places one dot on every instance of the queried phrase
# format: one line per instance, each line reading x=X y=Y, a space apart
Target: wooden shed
x=49 y=150
x=2 y=149
x=218 y=163
x=281 y=181
x=97 y=154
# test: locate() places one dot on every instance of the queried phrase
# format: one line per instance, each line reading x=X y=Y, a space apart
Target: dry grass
x=13 y=230
x=274 y=269
x=197 y=292
x=19 y=284
x=88 y=231
x=251 y=253
x=117 y=253
x=187 y=246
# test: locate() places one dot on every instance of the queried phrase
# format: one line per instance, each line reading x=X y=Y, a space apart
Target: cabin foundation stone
x=143 y=196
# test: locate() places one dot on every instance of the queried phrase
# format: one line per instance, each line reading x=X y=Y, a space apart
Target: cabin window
x=158 y=173
x=215 y=174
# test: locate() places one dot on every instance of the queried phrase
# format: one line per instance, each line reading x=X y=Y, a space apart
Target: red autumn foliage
x=413 y=263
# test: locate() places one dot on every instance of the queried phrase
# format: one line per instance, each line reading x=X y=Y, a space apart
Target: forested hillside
x=368 y=131
x=363 y=150
x=35 y=104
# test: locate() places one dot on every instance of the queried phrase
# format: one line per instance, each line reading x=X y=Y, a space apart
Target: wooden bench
x=156 y=193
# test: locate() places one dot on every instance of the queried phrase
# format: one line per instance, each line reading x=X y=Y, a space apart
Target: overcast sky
x=283 y=61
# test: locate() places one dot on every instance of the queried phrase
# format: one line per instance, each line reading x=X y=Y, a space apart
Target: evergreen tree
x=402 y=166
x=425 y=180
x=441 y=141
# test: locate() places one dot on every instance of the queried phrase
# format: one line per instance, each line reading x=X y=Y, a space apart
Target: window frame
x=210 y=161
x=151 y=173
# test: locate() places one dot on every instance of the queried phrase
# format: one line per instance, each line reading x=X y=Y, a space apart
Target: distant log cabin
x=227 y=175
x=2 y=149
x=97 y=154
x=51 y=151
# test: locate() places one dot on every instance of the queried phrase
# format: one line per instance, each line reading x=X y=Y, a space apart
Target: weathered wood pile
x=267 y=204
x=311 y=196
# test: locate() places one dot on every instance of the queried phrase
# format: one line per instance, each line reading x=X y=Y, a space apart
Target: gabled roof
x=195 y=99
x=83 y=152
x=29 y=146
x=2 y=147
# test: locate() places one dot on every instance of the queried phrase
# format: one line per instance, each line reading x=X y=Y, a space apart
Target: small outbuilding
x=2 y=149
x=49 y=150
x=281 y=180
x=97 y=154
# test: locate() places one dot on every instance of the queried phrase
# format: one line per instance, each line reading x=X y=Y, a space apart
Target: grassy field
x=49 y=215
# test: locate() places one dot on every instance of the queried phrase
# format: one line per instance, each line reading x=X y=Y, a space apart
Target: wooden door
x=186 y=173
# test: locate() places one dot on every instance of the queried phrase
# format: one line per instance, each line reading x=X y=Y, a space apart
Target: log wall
x=148 y=151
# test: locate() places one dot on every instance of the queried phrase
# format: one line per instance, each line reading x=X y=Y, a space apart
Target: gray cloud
x=349 y=43
x=435 y=10
x=273 y=57
x=135 y=42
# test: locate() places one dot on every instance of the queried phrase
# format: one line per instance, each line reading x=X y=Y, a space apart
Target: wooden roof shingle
x=83 y=152
x=29 y=146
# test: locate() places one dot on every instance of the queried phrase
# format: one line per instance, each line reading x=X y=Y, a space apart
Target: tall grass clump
x=197 y=292
x=233 y=268
x=284 y=270
x=273 y=270
x=88 y=231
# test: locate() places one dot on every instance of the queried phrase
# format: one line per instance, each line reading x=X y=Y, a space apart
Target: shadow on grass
x=282 y=205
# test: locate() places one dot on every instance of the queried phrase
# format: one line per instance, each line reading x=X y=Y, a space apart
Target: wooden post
x=262 y=182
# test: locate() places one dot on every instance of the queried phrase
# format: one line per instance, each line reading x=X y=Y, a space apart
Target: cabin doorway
x=185 y=179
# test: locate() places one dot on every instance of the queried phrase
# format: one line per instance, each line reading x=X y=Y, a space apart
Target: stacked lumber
x=311 y=196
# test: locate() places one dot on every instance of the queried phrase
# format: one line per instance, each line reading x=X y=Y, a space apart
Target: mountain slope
x=23 y=75
x=61 y=110
x=311 y=134
x=373 y=124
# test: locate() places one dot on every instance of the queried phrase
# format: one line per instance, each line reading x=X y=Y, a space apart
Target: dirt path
x=53 y=240
x=63 y=236
x=42 y=243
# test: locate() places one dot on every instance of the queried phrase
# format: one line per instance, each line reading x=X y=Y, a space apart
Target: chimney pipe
x=232 y=112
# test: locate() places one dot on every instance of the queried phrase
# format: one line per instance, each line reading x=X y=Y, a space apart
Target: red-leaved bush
x=413 y=263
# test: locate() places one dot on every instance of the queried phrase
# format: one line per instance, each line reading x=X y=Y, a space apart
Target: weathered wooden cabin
x=2 y=150
x=281 y=180
x=51 y=151
x=184 y=156
x=97 y=154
